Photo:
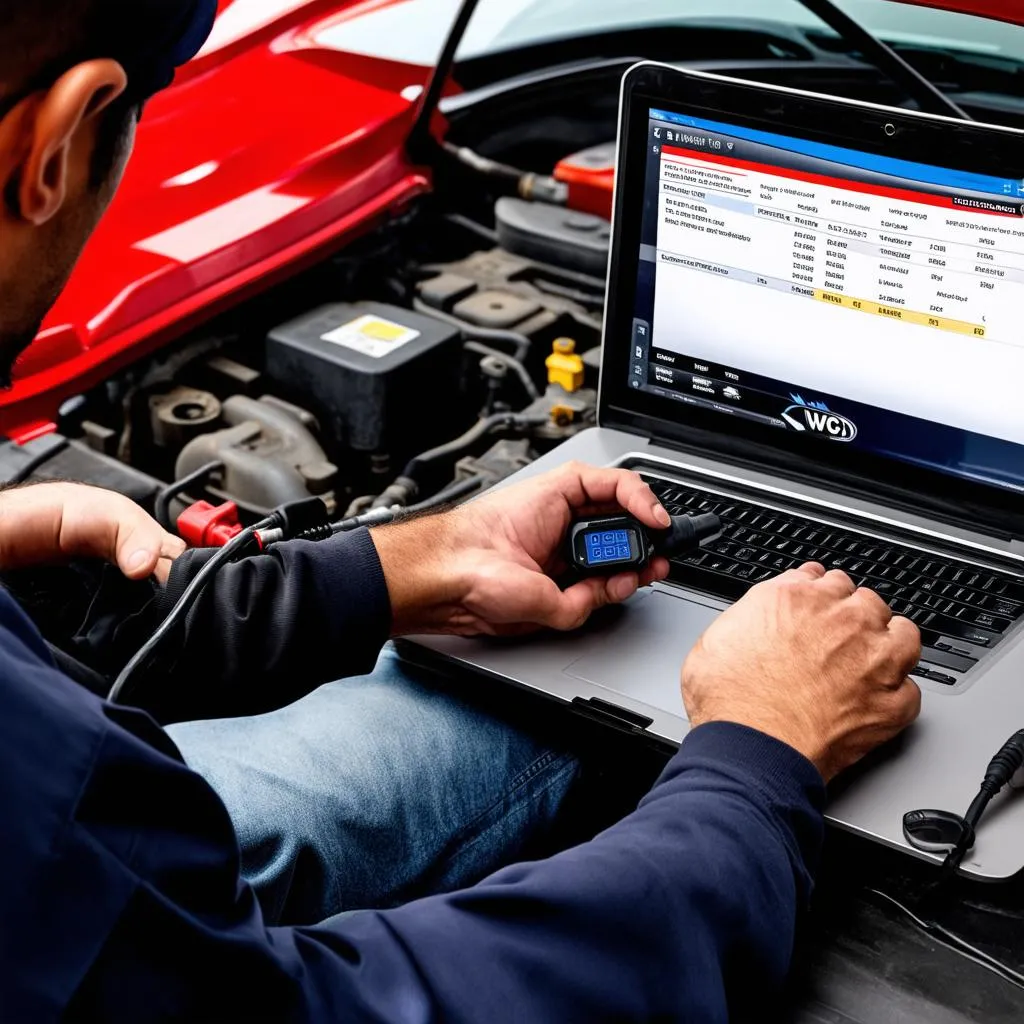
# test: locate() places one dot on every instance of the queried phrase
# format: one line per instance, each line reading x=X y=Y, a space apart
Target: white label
x=373 y=336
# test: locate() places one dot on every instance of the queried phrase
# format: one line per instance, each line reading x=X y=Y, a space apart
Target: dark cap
x=172 y=33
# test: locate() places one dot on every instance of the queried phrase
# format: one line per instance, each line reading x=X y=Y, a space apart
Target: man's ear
x=54 y=126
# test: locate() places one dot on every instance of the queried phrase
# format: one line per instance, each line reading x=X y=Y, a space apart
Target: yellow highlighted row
x=896 y=313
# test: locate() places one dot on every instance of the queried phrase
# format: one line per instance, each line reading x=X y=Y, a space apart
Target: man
x=120 y=893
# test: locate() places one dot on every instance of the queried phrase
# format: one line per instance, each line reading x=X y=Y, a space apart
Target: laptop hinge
x=611 y=714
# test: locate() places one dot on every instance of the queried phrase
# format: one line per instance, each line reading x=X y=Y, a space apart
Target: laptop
x=815 y=329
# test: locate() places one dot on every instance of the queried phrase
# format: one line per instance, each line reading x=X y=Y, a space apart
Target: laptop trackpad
x=642 y=652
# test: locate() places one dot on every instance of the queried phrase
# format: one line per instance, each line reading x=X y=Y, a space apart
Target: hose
x=162 y=509
x=520 y=343
x=538 y=188
x=452 y=493
x=511 y=362
x=38 y=461
x=462 y=444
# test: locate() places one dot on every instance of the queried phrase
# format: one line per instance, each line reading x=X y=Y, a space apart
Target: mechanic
x=120 y=890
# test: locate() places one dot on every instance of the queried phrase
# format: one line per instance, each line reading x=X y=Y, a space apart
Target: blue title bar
x=905 y=169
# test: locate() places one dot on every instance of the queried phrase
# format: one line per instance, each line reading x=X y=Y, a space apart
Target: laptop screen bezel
x=944 y=142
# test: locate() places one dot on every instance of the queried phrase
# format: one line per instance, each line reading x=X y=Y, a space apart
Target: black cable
x=450 y=494
x=928 y=97
x=521 y=344
x=479 y=430
x=467 y=224
x=484 y=165
x=383 y=517
x=953 y=942
x=511 y=362
x=534 y=188
x=38 y=461
x=1001 y=769
x=235 y=548
x=162 y=508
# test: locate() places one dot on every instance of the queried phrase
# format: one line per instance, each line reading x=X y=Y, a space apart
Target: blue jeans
x=374 y=791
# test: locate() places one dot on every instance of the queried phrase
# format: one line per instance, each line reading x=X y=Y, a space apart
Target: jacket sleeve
x=267 y=630
x=122 y=899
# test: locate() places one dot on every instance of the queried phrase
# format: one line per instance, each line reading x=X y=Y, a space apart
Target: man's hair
x=42 y=39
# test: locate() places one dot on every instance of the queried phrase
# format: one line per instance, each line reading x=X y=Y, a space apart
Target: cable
x=520 y=343
x=952 y=941
x=1001 y=769
x=234 y=549
x=461 y=221
x=511 y=362
x=928 y=97
x=534 y=188
x=38 y=461
x=935 y=831
x=162 y=509
x=450 y=494
x=479 y=430
x=483 y=164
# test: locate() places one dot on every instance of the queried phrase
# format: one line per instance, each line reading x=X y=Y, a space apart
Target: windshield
x=508 y=24
x=413 y=31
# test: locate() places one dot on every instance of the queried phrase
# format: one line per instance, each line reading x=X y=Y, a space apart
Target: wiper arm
x=928 y=97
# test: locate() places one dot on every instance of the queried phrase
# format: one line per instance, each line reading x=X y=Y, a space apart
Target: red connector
x=209 y=526
x=590 y=176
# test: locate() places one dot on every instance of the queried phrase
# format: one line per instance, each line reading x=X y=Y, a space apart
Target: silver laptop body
x=811 y=315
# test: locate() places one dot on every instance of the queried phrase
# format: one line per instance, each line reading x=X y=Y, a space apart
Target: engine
x=437 y=357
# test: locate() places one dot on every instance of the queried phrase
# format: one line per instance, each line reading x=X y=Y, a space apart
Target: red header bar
x=899 y=194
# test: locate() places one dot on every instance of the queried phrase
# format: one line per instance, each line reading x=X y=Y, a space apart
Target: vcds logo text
x=816 y=418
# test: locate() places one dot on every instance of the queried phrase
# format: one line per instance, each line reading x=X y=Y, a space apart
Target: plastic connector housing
x=203 y=525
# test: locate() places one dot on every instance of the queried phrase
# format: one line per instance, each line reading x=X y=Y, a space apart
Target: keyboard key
x=729 y=588
x=947 y=659
x=988 y=621
x=935 y=677
x=959 y=630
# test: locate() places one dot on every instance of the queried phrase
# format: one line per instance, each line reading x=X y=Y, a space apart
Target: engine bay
x=438 y=351
x=454 y=343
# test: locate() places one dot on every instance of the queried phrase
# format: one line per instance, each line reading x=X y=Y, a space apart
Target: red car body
x=269 y=152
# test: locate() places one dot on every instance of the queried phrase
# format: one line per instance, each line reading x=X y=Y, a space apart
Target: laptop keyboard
x=962 y=610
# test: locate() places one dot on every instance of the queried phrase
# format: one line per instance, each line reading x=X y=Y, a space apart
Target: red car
x=319 y=165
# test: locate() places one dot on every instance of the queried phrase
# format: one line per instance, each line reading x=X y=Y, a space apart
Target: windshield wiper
x=929 y=98
x=421 y=145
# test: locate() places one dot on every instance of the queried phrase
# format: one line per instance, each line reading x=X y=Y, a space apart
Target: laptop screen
x=838 y=295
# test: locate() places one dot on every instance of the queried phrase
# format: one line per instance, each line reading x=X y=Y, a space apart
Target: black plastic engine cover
x=381 y=380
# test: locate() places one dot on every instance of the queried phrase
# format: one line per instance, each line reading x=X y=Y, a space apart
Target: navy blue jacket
x=120 y=895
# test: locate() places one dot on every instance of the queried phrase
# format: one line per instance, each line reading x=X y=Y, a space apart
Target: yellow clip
x=564 y=366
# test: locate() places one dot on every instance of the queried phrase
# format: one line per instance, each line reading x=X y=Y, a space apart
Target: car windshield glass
x=413 y=31
x=512 y=24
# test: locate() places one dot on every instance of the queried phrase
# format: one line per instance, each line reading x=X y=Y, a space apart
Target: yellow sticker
x=372 y=335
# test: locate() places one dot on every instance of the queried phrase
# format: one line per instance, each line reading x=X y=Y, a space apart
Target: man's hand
x=487 y=568
x=812 y=661
x=57 y=522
